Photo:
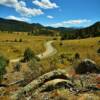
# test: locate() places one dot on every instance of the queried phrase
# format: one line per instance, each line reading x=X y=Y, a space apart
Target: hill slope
x=19 y=26
x=38 y=29
x=93 y=30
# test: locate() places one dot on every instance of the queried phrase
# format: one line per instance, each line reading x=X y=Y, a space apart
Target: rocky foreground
x=61 y=85
x=56 y=80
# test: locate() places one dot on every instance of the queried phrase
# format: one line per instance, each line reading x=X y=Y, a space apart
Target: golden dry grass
x=14 y=50
x=87 y=48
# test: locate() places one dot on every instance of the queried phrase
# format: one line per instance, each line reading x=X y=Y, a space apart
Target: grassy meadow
x=13 y=46
x=86 y=48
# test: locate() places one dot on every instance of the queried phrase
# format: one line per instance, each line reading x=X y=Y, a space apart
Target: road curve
x=50 y=51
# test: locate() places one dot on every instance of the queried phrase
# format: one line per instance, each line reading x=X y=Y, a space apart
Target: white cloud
x=22 y=3
x=79 y=21
x=18 y=18
x=69 y=23
x=46 y=4
x=20 y=6
x=9 y=3
x=50 y=17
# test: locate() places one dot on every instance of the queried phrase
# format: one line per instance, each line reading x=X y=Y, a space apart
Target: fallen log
x=56 y=74
x=52 y=85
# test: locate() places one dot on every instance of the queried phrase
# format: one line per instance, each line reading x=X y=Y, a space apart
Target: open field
x=86 y=48
x=12 y=48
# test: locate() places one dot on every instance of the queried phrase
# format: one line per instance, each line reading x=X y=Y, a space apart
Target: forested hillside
x=38 y=29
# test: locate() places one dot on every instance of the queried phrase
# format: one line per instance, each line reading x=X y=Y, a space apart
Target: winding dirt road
x=50 y=51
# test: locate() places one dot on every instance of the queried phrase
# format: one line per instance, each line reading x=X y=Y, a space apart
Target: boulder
x=86 y=66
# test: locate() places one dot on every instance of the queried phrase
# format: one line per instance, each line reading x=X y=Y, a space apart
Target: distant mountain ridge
x=19 y=26
x=93 y=30
x=38 y=29
x=15 y=25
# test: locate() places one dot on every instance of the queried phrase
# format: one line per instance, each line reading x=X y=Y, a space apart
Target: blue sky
x=57 y=13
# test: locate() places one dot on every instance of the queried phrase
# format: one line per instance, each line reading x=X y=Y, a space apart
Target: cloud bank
x=45 y=4
x=20 y=7
x=69 y=23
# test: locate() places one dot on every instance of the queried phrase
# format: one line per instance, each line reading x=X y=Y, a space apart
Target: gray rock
x=86 y=66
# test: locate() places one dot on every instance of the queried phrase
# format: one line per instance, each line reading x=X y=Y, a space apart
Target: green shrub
x=3 y=64
x=28 y=54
